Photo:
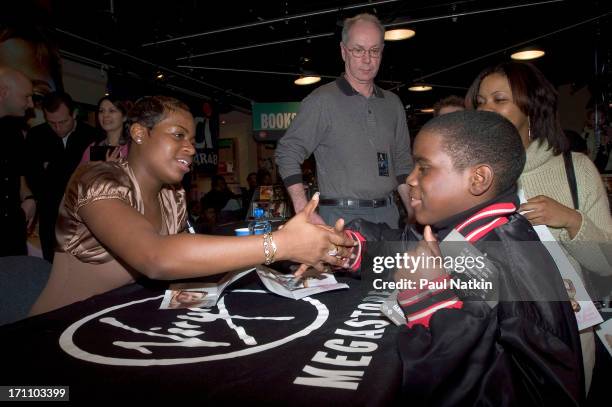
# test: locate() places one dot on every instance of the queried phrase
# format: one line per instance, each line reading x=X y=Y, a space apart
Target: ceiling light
x=419 y=88
x=527 y=54
x=399 y=34
x=428 y=110
x=159 y=75
x=307 y=80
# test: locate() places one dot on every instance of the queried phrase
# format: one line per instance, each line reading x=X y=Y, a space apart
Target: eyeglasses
x=360 y=52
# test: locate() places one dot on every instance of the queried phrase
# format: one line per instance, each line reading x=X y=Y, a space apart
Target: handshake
x=318 y=247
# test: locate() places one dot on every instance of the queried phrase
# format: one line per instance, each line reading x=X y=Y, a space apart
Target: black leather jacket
x=516 y=353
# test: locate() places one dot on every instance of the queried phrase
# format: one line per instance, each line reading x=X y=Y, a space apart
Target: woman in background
x=521 y=93
x=112 y=114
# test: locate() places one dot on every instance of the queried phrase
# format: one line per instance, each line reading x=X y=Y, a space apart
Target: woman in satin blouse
x=121 y=220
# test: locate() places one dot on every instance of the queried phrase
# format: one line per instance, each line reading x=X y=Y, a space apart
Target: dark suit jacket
x=52 y=164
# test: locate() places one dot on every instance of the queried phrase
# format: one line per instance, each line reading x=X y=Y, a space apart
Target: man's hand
x=29 y=209
x=298 y=198
x=316 y=219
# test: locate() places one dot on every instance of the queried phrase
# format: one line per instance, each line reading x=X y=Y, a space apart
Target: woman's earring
x=529 y=128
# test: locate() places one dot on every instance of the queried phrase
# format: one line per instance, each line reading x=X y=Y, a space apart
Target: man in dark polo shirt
x=357 y=132
x=56 y=147
x=17 y=206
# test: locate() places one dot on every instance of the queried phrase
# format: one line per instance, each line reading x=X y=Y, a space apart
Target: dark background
x=454 y=41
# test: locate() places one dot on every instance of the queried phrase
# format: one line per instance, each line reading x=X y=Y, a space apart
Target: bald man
x=15 y=93
x=26 y=47
x=17 y=205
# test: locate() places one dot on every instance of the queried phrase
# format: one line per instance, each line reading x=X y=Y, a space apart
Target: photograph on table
x=183 y=298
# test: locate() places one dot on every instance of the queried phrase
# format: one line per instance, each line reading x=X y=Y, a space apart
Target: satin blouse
x=109 y=180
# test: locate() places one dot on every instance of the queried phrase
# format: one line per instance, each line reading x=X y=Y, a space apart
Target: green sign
x=225 y=142
x=270 y=120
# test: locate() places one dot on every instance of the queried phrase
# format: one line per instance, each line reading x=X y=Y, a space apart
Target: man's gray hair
x=349 y=22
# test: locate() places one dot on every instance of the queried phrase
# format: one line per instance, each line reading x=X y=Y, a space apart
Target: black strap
x=571 y=176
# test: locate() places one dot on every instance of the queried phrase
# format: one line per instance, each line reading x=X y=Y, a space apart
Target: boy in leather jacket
x=457 y=348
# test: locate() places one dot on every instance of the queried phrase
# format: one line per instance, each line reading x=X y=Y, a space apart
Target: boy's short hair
x=477 y=137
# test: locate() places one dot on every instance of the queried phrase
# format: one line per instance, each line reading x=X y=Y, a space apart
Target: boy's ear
x=481 y=179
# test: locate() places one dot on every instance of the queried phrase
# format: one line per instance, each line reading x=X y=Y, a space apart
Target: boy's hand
x=428 y=247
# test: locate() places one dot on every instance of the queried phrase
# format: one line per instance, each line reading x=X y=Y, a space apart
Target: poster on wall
x=207 y=139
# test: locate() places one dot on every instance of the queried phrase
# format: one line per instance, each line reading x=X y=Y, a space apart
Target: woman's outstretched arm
x=134 y=240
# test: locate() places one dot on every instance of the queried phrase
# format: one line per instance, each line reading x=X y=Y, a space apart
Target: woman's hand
x=113 y=154
x=542 y=210
x=306 y=271
x=313 y=245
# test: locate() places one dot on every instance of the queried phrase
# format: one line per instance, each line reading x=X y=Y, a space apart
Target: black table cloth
x=253 y=347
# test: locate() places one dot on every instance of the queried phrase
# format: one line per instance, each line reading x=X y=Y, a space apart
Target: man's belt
x=355 y=203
